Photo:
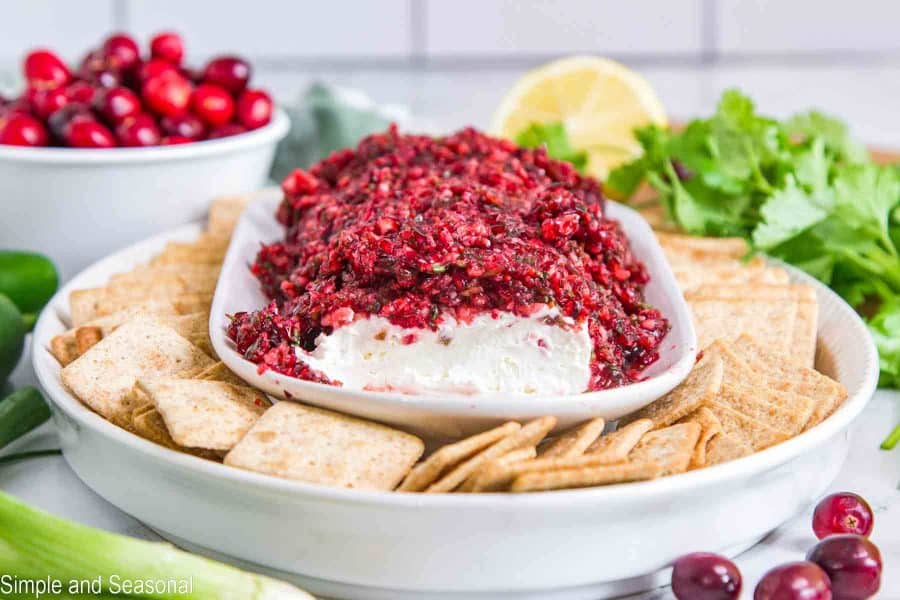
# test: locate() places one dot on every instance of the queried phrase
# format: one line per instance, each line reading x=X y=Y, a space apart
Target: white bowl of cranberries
x=127 y=143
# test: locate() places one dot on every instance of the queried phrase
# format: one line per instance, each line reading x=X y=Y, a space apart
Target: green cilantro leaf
x=553 y=136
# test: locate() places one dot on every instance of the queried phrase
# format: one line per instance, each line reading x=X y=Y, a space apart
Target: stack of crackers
x=139 y=355
x=753 y=386
x=518 y=458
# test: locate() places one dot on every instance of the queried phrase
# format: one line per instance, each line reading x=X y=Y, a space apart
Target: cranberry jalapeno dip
x=462 y=263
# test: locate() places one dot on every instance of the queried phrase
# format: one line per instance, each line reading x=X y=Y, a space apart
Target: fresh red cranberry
x=117 y=104
x=167 y=46
x=154 y=67
x=46 y=101
x=186 y=126
x=121 y=51
x=173 y=140
x=844 y=512
x=254 y=109
x=226 y=130
x=20 y=105
x=81 y=91
x=88 y=133
x=92 y=62
x=22 y=130
x=794 y=581
x=213 y=104
x=60 y=120
x=107 y=78
x=852 y=563
x=139 y=130
x=705 y=576
x=167 y=94
x=229 y=72
x=45 y=69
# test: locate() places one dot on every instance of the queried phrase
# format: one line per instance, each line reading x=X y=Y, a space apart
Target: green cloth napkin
x=328 y=119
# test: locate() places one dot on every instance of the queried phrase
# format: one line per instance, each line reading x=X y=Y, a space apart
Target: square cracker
x=615 y=446
x=143 y=347
x=207 y=250
x=149 y=425
x=87 y=305
x=691 y=276
x=729 y=318
x=574 y=441
x=497 y=475
x=789 y=376
x=670 y=448
x=299 y=442
x=699 y=388
x=428 y=471
x=224 y=213
x=725 y=447
x=584 y=477
x=205 y=414
x=710 y=427
x=782 y=411
x=758 y=435
x=724 y=247
x=220 y=372
x=529 y=435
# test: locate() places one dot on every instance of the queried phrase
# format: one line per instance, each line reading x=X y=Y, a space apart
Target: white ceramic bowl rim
x=693 y=480
x=275 y=130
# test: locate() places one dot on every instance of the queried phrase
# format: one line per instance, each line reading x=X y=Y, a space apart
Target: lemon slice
x=599 y=101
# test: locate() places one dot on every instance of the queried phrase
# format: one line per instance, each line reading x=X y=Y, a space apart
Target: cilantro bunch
x=800 y=190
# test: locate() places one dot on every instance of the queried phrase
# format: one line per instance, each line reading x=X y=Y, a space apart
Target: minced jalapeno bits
x=415 y=228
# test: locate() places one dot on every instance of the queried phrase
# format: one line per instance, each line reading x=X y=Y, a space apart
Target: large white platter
x=589 y=544
x=446 y=414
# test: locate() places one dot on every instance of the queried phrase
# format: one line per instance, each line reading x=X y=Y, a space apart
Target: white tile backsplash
x=509 y=27
x=68 y=28
x=280 y=29
x=294 y=35
x=808 y=26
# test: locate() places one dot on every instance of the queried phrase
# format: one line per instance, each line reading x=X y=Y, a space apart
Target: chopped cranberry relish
x=413 y=228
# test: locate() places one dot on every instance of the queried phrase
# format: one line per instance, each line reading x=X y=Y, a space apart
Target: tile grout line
x=121 y=15
x=418 y=42
x=709 y=32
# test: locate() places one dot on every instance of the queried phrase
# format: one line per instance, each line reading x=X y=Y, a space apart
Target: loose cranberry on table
x=852 y=563
x=794 y=581
x=844 y=512
x=254 y=109
x=22 y=130
x=705 y=576
x=167 y=46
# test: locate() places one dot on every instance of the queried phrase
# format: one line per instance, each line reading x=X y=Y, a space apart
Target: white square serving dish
x=447 y=415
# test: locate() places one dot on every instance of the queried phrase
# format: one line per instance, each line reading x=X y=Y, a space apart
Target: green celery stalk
x=37 y=545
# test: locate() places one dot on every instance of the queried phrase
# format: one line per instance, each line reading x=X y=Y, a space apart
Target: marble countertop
x=865 y=96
